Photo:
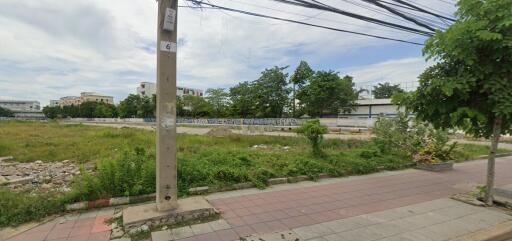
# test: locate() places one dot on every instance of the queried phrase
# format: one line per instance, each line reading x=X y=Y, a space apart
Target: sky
x=54 y=48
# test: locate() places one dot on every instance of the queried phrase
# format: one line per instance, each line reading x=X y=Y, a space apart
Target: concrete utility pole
x=166 y=178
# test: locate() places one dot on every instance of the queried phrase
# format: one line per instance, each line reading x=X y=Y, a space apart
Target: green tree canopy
x=327 y=93
x=386 y=90
x=470 y=86
x=219 y=101
x=243 y=103
x=271 y=93
x=197 y=106
x=4 y=112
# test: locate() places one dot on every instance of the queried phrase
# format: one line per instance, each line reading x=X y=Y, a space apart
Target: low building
x=93 y=96
x=84 y=97
x=370 y=108
x=148 y=89
x=20 y=105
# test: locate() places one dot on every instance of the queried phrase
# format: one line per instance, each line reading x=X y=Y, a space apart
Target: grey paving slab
x=349 y=223
x=183 y=232
x=164 y=235
x=201 y=228
x=313 y=231
x=220 y=224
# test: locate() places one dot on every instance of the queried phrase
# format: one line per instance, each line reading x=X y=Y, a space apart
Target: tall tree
x=219 y=101
x=128 y=108
x=271 y=93
x=327 y=93
x=470 y=87
x=243 y=103
x=386 y=90
x=301 y=75
x=197 y=105
x=51 y=112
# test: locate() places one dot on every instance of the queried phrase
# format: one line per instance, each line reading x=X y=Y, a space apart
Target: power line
x=200 y=3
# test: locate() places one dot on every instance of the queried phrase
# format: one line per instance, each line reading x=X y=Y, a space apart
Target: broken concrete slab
x=147 y=214
x=6 y=158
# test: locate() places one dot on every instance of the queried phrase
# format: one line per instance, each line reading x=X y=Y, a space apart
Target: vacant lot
x=125 y=160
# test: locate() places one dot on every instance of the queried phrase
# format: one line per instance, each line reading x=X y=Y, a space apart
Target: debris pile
x=44 y=176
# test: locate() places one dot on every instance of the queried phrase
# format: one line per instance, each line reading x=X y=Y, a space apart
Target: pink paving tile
x=43 y=228
x=83 y=237
x=34 y=236
x=188 y=239
x=58 y=233
x=241 y=212
x=244 y=231
x=235 y=222
x=81 y=230
x=292 y=222
x=85 y=222
x=100 y=224
x=102 y=236
x=227 y=235
x=19 y=237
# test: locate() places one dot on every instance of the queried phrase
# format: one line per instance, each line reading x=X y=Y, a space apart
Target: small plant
x=314 y=131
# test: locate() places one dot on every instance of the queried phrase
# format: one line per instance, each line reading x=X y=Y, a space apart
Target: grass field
x=202 y=160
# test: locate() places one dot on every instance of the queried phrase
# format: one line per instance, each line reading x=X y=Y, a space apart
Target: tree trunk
x=491 y=161
x=293 y=102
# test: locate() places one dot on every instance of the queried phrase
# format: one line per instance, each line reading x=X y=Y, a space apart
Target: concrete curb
x=499 y=232
x=109 y=202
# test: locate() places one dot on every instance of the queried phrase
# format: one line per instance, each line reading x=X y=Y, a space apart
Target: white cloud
x=54 y=48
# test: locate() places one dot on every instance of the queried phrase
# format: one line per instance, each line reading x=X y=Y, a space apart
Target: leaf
x=488 y=35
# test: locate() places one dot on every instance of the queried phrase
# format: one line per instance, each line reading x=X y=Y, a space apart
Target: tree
x=301 y=75
x=271 y=93
x=4 y=112
x=386 y=90
x=146 y=108
x=52 y=112
x=327 y=93
x=243 y=104
x=128 y=107
x=470 y=87
x=197 y=105
x=219 y=101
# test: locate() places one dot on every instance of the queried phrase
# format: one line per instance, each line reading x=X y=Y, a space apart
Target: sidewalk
x=377 y=204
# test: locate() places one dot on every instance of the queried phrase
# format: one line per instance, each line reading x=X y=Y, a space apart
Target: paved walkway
x=289 y=209
x=295 y=206
x=89 y=226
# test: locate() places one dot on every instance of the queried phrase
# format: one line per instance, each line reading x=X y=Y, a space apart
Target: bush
x=314 y=131
x=419 y=141
x=133 y=173
x=17 y=208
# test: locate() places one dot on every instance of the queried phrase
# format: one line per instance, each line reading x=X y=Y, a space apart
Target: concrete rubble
x=43 y=176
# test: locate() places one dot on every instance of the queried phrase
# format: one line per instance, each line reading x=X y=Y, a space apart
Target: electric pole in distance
x=166 y=171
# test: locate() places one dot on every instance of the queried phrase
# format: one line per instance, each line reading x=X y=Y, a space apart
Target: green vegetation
x=418 y=140
x=125 y=161
x=314 y=131
x=386 y=90
x=89 y=109
x=6 y=112
x=469 y=86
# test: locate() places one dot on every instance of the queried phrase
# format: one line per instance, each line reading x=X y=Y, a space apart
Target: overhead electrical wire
x=214 y=6
x=401 y=10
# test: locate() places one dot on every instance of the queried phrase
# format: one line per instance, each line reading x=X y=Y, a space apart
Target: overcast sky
x=55 y=48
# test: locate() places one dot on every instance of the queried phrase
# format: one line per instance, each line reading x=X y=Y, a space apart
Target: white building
x=148 y=89
x=370 y=108
x=20 y=105
x=54 y=103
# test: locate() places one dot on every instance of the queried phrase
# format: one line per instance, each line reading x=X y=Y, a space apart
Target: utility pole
x=166 y=171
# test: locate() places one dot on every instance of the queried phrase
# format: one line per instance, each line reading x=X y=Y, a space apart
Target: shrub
x=420 y=141
x=314 y=132
x=17 y=208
